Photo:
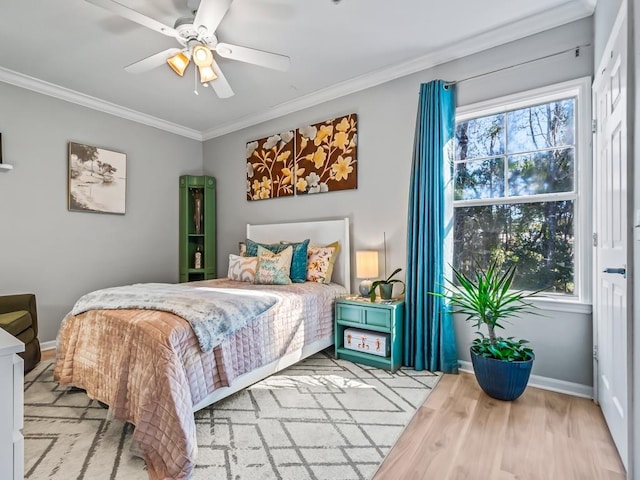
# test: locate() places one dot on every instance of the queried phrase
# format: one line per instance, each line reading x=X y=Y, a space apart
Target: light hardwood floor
x=48 y=355
x=461 y=433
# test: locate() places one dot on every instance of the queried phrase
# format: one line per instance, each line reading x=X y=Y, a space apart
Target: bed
x=148 y=367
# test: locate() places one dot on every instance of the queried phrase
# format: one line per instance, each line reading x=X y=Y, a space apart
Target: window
x=517 y=190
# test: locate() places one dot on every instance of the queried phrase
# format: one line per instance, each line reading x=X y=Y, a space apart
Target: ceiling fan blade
x=151 y=62
x=256 y=57
x=134 y=16
x=210 y=14
x=220 y=84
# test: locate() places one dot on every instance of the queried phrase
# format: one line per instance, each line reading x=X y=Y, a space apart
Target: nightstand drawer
x=378 y=317
x=350 y=313
x=366 y=315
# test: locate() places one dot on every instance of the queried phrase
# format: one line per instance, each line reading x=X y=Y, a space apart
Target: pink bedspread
x=148 y=367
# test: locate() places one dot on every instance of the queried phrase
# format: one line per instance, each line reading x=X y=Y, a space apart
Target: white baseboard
x=546 y=383
x=48 y=345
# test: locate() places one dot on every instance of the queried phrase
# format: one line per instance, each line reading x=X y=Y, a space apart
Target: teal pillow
x=298 y=262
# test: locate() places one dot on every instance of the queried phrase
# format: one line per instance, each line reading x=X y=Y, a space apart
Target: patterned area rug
x=322 y=419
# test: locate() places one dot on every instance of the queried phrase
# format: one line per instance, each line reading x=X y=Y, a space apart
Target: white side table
x=11 y=407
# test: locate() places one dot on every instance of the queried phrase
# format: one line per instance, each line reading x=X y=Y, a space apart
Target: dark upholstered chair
x=19 y=317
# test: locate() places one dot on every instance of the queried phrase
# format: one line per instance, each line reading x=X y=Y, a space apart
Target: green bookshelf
x=197 y=228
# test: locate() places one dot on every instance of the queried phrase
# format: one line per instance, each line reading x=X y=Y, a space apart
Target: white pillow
x=242 y=269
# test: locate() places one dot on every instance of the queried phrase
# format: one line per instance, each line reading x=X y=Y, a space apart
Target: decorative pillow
x=242 y=248
x=273 y=268
x=299 y=258
x=242 y=269
x=320 y=262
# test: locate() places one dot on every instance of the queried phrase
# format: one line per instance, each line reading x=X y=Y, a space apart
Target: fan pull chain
x=195 y=83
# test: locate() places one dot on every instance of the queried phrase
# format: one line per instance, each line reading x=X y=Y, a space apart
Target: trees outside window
x=515 y=193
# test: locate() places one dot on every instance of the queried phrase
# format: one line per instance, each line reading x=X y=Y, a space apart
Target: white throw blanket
x=214 y=313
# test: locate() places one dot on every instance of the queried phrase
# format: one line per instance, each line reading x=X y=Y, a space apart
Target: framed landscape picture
x=97 y=179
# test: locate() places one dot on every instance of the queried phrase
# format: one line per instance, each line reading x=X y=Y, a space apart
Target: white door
x=611 y=288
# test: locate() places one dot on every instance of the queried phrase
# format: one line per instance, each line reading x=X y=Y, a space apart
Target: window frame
x=580 y=89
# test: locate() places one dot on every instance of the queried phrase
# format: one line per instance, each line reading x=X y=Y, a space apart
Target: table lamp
x=366 y=268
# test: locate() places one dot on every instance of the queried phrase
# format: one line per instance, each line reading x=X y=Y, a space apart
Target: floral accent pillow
x=320 y=261
x=273 y=268
x=242 y=269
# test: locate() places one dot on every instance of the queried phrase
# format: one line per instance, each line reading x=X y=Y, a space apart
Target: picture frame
x=270 y=172
x=317 y=158
x=97 y=179
x=326 y=157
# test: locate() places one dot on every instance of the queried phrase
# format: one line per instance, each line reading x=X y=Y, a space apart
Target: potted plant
x=502 y=365
x=386 y=286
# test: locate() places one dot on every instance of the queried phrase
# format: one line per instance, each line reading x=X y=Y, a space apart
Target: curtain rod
x=573 y=49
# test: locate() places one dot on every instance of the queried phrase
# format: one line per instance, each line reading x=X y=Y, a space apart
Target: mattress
x=148 y=367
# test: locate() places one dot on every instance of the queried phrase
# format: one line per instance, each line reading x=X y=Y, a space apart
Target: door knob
x=620 y=271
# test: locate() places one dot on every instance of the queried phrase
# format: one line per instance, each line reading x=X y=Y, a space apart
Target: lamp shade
x=202 y=56
x=367 y=264
x=207 y=74
x=179 y=63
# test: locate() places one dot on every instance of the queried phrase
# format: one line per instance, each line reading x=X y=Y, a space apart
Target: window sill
x=559 y=304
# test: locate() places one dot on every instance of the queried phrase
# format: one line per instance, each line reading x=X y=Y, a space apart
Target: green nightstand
x=375 y=317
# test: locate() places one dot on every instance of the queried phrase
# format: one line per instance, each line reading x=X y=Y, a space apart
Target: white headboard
x=321 y=232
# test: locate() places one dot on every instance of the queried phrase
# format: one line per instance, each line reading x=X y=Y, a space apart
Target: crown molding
x=68 y=95
x=563 y=14
x=567 y=12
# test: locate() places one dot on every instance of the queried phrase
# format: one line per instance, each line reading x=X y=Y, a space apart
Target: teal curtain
x=429 y=339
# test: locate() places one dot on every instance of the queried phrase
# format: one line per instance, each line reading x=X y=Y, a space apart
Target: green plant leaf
x=504 y=349
x=387 y=281
x=486 y=298
x=396 y=271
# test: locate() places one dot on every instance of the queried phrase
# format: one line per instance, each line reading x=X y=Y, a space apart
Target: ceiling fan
x=196 y=35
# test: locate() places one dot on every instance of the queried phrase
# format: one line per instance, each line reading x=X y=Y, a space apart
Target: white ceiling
x=75 y=50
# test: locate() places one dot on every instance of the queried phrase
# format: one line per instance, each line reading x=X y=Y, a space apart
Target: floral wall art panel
x=270 y=167
x=97 y=179
x=325 y=155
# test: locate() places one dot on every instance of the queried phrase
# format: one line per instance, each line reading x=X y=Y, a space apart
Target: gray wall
x=603 y=19
x=386 y=116
x=60 y=255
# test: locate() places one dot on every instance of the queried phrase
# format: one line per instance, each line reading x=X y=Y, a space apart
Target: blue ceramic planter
x=501 y=380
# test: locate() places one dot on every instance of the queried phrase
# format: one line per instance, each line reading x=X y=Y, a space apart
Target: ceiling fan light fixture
x=207 y=74
x=202 y=56
x=179 y=63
